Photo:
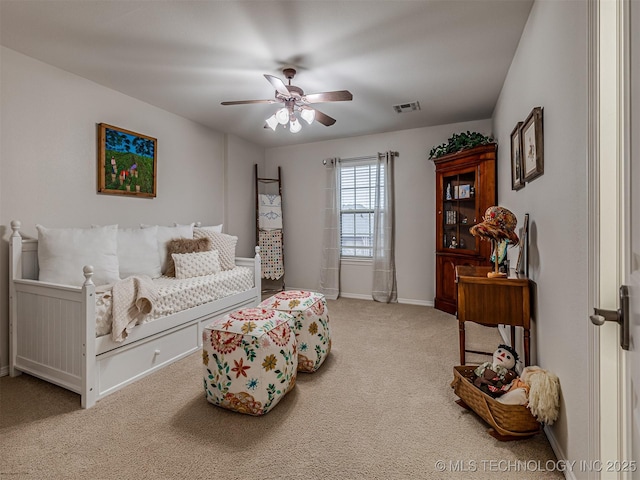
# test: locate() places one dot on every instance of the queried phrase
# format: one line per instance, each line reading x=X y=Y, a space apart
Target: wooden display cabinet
x=465 y=188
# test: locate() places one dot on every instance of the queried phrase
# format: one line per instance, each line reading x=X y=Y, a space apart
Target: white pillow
x=196 y=264
x=169 y=233
x=63 y=252
x=138 y=252
x=225 y=244
x=214 y=228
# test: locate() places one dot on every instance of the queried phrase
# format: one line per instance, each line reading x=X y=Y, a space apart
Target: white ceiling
x=187 y=56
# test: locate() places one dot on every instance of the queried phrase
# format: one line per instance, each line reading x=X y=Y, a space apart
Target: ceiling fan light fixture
x=272 y=122
x=282 y=116
x=308 y=115
x=294 y=125
x=293 y=100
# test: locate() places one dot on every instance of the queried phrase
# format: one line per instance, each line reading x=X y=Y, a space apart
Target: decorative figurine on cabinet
x=454 y=243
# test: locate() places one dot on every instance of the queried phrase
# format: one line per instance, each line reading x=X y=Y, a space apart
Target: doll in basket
x=494 y=378
x=539 y=390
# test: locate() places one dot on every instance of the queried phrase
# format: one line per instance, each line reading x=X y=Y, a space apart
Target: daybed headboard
x=24 y=254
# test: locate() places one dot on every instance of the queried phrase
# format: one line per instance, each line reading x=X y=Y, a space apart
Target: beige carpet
x=379 y=408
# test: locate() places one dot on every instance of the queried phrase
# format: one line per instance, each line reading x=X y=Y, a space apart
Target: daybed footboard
x=53 y=333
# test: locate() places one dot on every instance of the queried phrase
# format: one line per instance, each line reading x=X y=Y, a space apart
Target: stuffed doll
x=494 y=378
x=539 y=390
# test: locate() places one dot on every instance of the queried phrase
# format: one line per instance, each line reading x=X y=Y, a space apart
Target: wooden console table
x=492 y=302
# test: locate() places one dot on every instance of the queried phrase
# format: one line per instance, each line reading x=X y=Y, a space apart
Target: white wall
x=240 y=199
x=48 y=160
x=303 y=205
x=550 y=70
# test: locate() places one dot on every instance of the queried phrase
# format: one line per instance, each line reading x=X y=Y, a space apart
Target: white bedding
x=175 y=295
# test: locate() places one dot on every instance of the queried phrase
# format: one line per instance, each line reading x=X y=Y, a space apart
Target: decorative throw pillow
x=169 y=233
x=63 y=252
x=214 y=228
x=183 y=246
x=225 y=244
x=138 y=252
x=198 y=264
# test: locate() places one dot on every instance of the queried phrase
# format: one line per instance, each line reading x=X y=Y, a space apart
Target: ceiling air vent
x=407 y=107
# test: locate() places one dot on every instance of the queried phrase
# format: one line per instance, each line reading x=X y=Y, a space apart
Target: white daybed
x=53 y=329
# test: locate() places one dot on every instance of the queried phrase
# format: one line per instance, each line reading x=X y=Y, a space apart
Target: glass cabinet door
x=459 y=211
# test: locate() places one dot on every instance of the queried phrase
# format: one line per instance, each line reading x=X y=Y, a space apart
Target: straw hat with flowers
x=499 y=225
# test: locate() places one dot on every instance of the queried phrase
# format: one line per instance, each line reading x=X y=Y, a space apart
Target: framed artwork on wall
x=126 y=162
x=516 y=158
x=532 y=145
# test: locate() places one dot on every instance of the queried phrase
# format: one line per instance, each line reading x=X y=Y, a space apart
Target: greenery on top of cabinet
x=459 y=142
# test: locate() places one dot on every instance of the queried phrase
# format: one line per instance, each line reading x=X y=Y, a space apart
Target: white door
x=618 y=214
x=631 y=364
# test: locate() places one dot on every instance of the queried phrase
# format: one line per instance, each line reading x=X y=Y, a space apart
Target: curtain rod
x=356 y=159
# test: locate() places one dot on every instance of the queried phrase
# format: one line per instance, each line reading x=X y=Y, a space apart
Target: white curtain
x=330 y=269
x=384 y=264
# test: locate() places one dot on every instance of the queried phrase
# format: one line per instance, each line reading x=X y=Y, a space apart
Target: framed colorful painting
x=126 y=162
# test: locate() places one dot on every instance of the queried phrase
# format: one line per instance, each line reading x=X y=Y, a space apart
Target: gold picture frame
x=127 y=162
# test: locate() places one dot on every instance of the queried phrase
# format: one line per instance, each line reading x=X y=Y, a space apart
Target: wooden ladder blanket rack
x=269 y=231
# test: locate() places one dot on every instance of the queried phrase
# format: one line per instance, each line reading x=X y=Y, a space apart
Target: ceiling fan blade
x=278 y=84
x=324 y=119
x=337 y=96
x=244 y=102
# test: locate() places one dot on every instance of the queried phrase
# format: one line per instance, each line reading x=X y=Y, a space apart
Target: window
x=357 y=203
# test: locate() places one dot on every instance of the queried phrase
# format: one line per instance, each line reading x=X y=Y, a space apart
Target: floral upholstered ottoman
x=311 y=324
x=250 y=360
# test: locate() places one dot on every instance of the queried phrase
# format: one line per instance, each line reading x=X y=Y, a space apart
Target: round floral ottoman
x=311 y=324
x=250 y=360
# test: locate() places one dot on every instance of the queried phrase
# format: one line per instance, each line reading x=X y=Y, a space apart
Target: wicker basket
x=507 y=420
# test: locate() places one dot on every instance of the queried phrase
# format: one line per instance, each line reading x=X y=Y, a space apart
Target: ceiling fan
x=295 y=101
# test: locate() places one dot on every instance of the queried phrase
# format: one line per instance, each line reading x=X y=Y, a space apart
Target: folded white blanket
x=132 y=298
x=270 y=212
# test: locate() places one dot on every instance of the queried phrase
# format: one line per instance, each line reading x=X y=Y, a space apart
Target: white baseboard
x=361 y=296
x=358 y=296
x=569 y=473
x=411 y=301
x=4 y=371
